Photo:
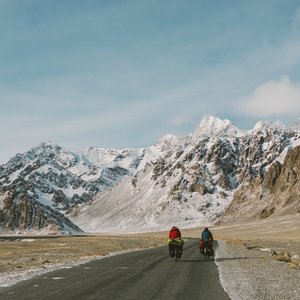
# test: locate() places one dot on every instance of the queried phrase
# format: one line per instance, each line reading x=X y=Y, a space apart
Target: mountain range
x=217 y=174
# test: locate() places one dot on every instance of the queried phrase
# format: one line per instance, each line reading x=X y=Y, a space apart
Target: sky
x=124 y=73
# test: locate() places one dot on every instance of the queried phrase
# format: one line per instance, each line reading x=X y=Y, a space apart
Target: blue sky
x=124 y=73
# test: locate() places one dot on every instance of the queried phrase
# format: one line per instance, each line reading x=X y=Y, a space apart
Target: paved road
x=141 y=275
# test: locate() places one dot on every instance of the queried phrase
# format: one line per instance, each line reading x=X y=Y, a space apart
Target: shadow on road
x=195 y=260
x=217 y=259
x=231 y=258
x=234 y=258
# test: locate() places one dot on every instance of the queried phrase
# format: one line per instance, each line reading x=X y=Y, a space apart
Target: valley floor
x=22 y=257
x=251 y=257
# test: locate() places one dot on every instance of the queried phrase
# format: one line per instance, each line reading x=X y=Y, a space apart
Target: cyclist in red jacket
x=174 y=233
x=175 y=240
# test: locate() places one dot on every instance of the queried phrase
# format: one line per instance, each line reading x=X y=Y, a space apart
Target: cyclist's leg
x=201 y=246
x=180 y=248
x=171 y=249
x=210 y=247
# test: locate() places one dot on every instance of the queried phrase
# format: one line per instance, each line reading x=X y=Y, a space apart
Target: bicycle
x=206 y=248
x=176 y=248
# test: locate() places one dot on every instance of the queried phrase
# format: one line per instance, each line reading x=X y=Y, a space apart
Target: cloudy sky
x=123 y=73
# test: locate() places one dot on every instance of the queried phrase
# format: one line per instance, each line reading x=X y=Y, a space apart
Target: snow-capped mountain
x=193 y=182
x=51 y=179
x=188 y=181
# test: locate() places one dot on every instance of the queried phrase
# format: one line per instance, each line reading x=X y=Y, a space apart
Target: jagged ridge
x=193 y=182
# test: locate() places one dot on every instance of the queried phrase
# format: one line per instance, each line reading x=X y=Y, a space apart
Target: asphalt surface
x=141 y=275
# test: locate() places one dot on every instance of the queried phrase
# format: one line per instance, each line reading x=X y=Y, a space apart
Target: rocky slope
x=274 y=193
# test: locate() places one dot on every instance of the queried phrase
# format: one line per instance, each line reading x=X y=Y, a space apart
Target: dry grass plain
x=29 y=252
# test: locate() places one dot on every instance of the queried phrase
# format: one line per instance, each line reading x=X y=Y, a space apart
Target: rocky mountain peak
x=168 y=142
x=215 y=127
x=267 y=126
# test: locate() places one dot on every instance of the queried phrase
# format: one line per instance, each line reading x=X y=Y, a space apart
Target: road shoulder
x=248 y=271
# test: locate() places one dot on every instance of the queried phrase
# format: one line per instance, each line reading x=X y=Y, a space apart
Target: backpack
x=206 y=235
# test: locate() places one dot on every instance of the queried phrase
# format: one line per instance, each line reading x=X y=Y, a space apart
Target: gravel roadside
x=248 y=271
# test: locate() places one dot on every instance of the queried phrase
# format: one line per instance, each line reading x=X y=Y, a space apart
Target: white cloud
x=272 y=98
x=178 y=120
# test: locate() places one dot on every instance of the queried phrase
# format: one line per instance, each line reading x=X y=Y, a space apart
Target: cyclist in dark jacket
x=206 y=235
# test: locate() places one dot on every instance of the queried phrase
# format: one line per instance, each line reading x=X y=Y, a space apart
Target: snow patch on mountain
x=145 y=206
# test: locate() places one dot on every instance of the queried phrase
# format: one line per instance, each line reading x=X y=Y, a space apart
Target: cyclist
x=206 y=235
x=175 y=241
